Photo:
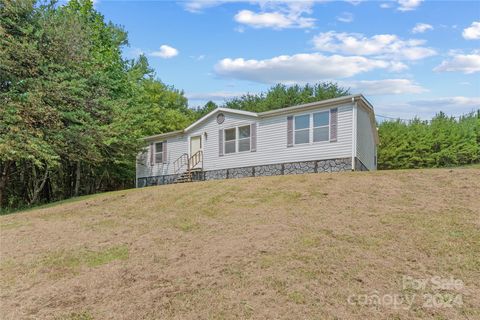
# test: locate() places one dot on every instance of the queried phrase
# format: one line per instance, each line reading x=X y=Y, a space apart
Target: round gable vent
x=220 y=118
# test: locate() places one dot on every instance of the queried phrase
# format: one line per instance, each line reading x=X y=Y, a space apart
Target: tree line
x=73 y=109
x=440 y=142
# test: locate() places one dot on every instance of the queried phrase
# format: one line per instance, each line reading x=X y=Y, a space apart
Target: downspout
x=354 y=133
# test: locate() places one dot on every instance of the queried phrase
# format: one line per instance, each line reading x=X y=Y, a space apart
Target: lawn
x=382 y=245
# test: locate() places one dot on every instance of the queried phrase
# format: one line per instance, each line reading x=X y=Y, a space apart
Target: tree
x=444 y=141
x=73 y=109
x=281 y=96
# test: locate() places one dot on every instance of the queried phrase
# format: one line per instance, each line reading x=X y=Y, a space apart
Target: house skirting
x=318 y=166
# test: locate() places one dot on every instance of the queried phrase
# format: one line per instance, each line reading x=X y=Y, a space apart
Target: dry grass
x=289 y=247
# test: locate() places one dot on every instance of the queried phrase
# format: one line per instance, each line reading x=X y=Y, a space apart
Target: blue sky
x=408 y=57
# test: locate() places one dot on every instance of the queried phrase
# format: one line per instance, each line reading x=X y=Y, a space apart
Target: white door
x=195 y=146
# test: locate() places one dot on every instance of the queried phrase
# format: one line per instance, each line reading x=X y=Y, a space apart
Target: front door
x=195 y=146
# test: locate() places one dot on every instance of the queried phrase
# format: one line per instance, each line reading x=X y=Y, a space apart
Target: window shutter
x=289 y=131
x=253 y=134
x=152 y=154
x=333 y=124
x=220 y=142
x=164 y=151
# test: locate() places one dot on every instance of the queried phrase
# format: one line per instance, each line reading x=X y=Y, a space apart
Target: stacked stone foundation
x=332 y=165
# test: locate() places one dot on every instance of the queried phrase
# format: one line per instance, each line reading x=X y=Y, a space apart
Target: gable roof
x=359 y=98
x=218 y=110
x=199 y=121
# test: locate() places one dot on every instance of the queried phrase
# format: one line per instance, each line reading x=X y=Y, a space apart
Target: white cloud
x=472 y=32
x=278 y=15
x=382 y=45
x=276 y=20
x=422 y=27
x=427 y=108
x=385 y=5
x=466 y=63
x=459 y=101
x=301 y=68
x=214 y=96
x=165 y=52
x=355 y=2
x=385 y=87
x=200 y=5
x=408 y=5
x=346 y=17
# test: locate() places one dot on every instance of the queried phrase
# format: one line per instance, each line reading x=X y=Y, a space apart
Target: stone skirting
x=332 y=165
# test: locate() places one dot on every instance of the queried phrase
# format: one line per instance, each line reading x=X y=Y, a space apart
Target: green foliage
x=442 y=142
x=281 y=96
x=73 y=109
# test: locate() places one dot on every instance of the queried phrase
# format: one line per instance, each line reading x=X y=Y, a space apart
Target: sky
x=408 y=57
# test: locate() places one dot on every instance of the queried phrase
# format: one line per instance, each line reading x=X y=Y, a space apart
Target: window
x=158 y=152
x=230 y=140
x=237 y=139
x=321 y=126
x=142 y=157
x=244 y=138
x=302 y=129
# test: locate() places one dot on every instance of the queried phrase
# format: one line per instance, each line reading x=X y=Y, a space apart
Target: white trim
x=155 y=152
x=249 y=138
x=225 y=110
x=311 y=128
x=225 y=140
x=308 y=128
x=324 y=126
x=363 y=102
x=237 y=139
x=323 y=103
x=354 y=134
x=190 y=143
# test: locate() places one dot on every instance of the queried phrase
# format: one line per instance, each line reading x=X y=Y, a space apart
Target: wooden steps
x=190 y=163
x=187 y=176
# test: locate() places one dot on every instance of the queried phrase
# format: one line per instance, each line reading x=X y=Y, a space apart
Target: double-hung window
x=302 y=129
x=231 y=140
x=313 y=127
x=244 y=138
x=237 y=139
x=159 y=152
x=321 y=126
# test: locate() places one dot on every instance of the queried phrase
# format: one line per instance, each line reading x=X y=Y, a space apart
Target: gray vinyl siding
x=365 y=139
x=271 y=143
x=176 y=147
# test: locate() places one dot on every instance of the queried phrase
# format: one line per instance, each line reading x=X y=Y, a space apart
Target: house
x=326 y=136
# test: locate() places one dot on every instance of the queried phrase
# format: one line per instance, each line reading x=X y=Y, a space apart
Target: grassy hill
x=288 y=247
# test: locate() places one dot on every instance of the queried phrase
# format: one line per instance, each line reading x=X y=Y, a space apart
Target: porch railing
x=196 y=159
x=188 y=163
x=180 y=163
